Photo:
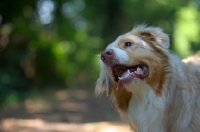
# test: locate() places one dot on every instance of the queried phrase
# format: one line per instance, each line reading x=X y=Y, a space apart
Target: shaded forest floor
x=74 y=110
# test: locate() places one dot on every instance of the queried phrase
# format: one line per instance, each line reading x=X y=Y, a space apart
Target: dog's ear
x=152 y=34
x=103 y=82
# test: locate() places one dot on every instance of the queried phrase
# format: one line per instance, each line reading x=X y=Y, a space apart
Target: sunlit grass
x=32 y=125
x=74 y=110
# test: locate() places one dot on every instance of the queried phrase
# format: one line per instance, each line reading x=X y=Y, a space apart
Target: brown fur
x=121 y=99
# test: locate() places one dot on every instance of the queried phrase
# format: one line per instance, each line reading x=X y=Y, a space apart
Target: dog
x=153 y=89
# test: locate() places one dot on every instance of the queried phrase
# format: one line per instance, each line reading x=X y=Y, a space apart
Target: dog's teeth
x=139 y=69
x=119 y=78
x=129 y=71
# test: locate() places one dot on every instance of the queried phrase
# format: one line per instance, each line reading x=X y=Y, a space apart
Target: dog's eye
x=128 y=44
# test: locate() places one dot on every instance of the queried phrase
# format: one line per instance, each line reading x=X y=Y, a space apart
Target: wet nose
x=107 y=55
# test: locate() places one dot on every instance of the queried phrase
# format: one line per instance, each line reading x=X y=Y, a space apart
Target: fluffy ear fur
x=152 y=34
x=104 y=82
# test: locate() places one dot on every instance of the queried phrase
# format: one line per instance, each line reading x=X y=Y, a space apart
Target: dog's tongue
x=127 y=76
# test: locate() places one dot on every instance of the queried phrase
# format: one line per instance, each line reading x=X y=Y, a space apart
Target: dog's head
x=137 y=57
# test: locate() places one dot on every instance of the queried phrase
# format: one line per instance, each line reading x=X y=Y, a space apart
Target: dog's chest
x=147 y=114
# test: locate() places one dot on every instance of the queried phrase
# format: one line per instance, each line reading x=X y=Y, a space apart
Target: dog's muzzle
x=108 y=57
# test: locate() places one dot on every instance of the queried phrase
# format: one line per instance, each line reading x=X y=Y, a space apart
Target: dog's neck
x=146 y=109
x=146 y=112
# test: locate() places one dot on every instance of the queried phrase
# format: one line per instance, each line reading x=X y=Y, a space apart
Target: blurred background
x=49 y=57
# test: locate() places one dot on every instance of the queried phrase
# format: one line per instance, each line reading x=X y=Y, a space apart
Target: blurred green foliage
x=48 y=43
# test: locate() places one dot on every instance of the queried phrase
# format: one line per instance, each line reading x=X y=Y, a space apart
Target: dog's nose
x=107 y=55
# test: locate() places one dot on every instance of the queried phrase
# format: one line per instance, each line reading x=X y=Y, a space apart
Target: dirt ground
x=74 y=110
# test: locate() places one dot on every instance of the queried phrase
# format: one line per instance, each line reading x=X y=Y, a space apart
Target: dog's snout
x=110 y=52
x=107 y=55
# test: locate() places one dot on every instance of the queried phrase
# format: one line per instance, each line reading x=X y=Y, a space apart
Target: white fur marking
x=147 y=111
x=121 y=55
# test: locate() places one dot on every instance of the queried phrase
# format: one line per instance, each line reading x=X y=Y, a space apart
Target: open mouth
x=124 y=74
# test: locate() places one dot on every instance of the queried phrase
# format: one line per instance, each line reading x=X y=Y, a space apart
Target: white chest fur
x=146 y=113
